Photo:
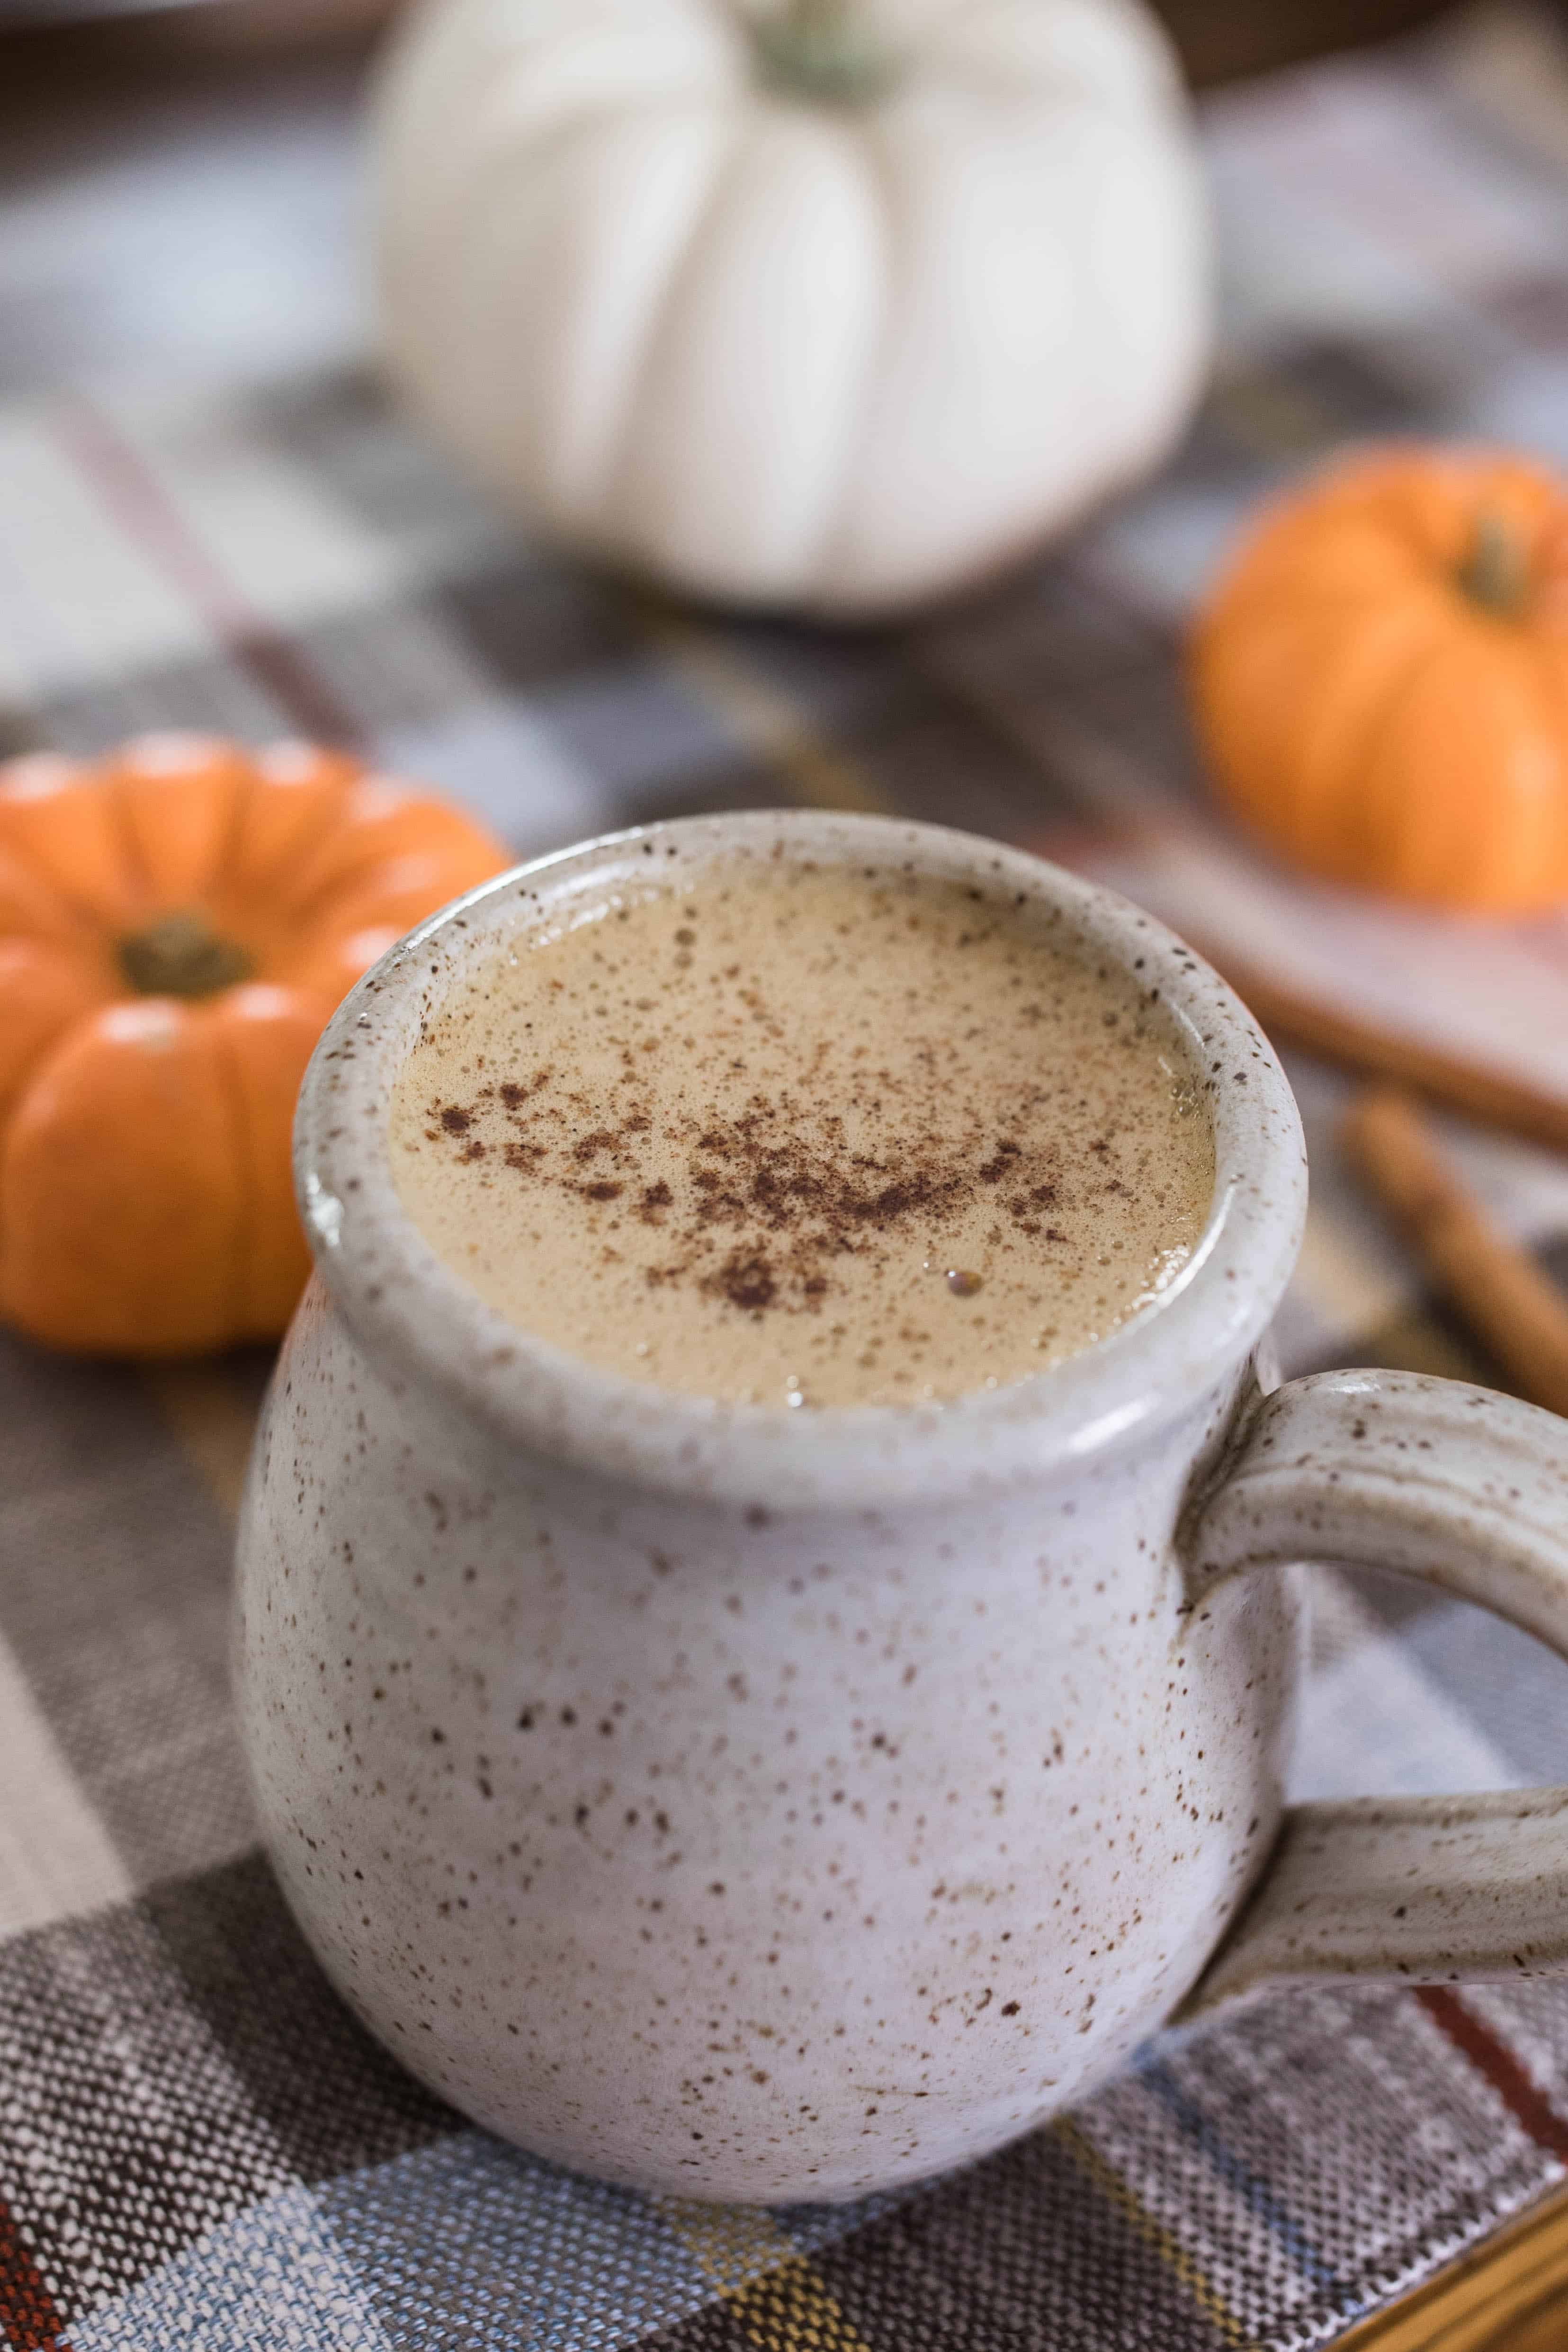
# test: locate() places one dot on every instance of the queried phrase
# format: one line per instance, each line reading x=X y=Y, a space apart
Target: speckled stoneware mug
x=766 y=1805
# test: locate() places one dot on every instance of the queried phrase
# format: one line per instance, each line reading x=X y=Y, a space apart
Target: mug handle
x=1468 y=1490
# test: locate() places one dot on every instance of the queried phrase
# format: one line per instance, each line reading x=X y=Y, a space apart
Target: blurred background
x=148 y=151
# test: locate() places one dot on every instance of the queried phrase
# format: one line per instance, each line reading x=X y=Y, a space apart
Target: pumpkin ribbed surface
x=829 y=305
x=176 y=923
x=1381 y=680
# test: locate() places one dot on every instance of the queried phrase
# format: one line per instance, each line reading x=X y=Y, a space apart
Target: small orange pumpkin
x=1380 y=680
x=176 y=923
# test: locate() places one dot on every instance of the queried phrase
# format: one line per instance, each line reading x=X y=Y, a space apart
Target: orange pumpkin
x=1381 y=679
x=176 y=923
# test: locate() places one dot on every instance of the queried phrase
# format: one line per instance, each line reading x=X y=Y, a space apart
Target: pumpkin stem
x=182 y=955
x=820 y=50
x=1496 y=571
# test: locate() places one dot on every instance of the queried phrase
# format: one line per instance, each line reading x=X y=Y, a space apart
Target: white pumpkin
x=831 y=308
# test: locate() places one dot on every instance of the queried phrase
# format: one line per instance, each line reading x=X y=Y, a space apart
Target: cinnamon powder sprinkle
x=857 y=1136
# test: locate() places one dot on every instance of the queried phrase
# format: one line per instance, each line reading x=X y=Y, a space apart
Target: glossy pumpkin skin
x=177 y=921
x=1380 y=680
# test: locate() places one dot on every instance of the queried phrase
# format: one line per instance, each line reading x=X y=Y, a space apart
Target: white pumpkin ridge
x=840 y=357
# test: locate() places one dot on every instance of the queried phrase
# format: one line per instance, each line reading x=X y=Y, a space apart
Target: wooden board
x=1509 y=2296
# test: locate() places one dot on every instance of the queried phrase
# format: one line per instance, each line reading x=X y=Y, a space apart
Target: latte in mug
x=807 y=1135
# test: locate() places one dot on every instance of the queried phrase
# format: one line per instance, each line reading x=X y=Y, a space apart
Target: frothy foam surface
x=806 y=1135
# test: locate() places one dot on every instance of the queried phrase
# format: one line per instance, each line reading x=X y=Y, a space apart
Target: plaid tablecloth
x=197 y=2147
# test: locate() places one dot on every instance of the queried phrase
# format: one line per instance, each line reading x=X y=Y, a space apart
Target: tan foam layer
x=809 y=1134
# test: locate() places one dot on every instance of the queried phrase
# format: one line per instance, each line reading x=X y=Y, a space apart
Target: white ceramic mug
x=766 y=1805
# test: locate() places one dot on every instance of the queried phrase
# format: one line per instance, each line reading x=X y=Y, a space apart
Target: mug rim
x=420 y=1321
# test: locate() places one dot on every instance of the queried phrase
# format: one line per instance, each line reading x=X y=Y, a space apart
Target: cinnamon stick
x=1515 y=1309
x=1510 y=1104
